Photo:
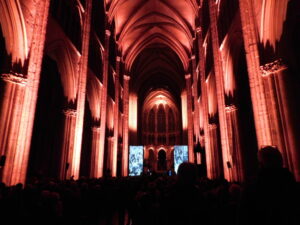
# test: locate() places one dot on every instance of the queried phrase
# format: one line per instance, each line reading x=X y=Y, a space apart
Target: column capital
x=16 y=78
x=70 y=112
x=198 y=29
x=126 y=77
x=187 y=76
x=193 y=57
x=118 y=58
x=272 y=67
x=95 y=128
x=107 y=32
x=231 y=108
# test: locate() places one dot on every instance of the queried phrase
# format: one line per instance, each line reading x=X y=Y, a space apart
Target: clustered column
x=259 y=101
x=226 y=138
x=100 y=153
x=125 y=124
x=19 y=95
x=94 y=150
x=68 y=143
x=81 y=95
x=116 y=119
x=274 y=78
x=190 y=117
x=11 y=112
x=195 y=96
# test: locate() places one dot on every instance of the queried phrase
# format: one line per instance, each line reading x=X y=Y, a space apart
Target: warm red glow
x=184 y=110
x=133 y=112
x=272 y=21
x=212 y=95
x=94 y=95
x=14 y=30
x=125 y=125
x=67 y=57
x=171 y=28
x=110 y=114
x=172 y=64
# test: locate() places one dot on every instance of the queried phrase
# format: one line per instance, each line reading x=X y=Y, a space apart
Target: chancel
x=119 y=98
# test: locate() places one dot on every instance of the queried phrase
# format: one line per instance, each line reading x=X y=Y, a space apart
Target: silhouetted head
x=187 y=173
x=270 y=157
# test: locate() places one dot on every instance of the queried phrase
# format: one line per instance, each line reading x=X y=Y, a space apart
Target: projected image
x=136 y=158
x=180 y=155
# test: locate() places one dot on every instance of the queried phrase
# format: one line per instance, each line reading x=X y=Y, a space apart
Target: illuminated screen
x=180 y=155
x=136 y=158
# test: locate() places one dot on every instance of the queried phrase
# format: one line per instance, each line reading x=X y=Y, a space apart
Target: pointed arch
x=14 y=31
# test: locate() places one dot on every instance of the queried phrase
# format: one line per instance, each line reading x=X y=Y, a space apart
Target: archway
x=162 y=160
x=151 y=160
x=45 y=154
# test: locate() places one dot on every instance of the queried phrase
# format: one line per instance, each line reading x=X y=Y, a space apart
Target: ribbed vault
x=140 y=24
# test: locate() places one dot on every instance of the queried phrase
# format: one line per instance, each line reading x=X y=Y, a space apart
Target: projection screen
x=180 y=155
x=136 y=159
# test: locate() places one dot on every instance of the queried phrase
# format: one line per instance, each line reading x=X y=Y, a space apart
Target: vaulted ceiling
x=155 y=38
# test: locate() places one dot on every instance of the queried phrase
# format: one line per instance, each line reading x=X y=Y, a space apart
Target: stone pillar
x=110 y=145
x=94 y=150
x=274 y=76
x=18 y=104
x=216 y=165
x=81 y=95
x=259 y=101
x=100 y=154
x=67 y=149
x=204 y=100
x=116 y=120
x=13 y=92
x=190 y=117
x=125 y=124
x=234 y=159
x=195 y=96
x=218 y=69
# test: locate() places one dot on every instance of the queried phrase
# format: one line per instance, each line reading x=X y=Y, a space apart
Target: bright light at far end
x=160 y=99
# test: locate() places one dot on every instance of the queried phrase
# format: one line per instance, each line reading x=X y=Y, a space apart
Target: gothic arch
x=67 y=59
x=94 y=87
x=14 y=31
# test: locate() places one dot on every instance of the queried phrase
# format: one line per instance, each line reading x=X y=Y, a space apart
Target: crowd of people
x=184 y=199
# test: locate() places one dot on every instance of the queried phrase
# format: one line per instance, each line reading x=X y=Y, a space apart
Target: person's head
x=187 y=173
x=270 y=157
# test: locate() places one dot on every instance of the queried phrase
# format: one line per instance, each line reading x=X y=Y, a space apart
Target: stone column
x=234 y=158
x=195 y=96
x=13 y=92
x=18 y=103
x=100 y=154
x=125 y=124
x=216 y=165
x=110 y=145
x=190 y=117
x=68 y=144
x=116 y=120
x=81 y=95
x=94 y=151
x=204 y=100
x=274 y=76
x=218 y=69
x=259 y=101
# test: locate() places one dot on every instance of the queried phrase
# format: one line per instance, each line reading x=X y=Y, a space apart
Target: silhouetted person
x=270 y=199
x=185 y=202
